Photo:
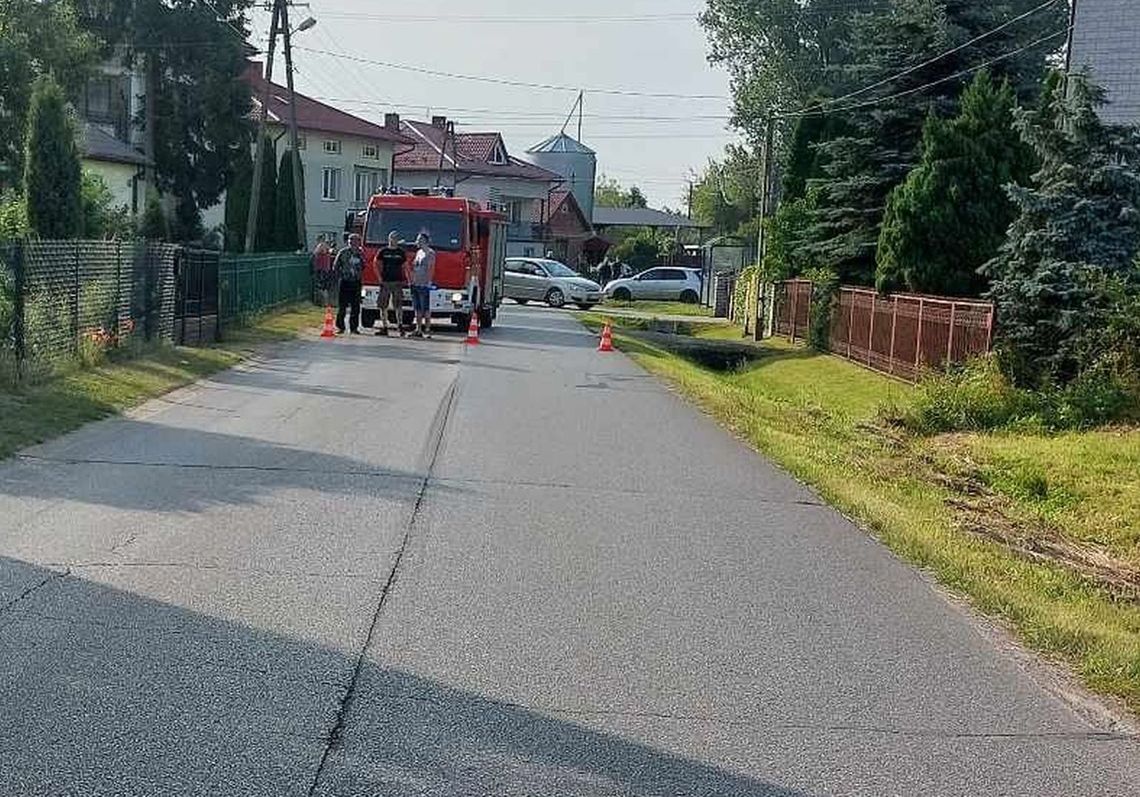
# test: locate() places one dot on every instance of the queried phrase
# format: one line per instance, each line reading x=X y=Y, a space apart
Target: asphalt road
x=384 y=567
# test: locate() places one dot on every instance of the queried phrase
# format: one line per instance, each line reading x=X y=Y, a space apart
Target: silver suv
x=536 y=279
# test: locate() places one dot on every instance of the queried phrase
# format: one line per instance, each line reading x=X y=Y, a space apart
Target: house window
x=498 y=155
x=98 y=99
x=301 y=142
x=370 y=152
x=514 y=212
x=332 y=147
x=369 y=182
x=330 y=184
x=104 y=101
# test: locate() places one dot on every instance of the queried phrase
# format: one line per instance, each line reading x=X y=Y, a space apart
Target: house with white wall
x=345 y=159
x=479 y=167
x=110 y=141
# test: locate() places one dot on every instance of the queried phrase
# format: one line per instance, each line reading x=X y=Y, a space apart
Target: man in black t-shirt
x=391 y=263
x=349 y=267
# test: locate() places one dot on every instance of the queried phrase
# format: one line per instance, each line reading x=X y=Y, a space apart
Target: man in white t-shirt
x=423 y=277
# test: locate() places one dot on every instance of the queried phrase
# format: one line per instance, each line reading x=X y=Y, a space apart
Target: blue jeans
x=421 y=299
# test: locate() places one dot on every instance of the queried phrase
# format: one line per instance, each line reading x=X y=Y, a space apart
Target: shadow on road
x=109 y=692
x=214 y=469
x=446 y=351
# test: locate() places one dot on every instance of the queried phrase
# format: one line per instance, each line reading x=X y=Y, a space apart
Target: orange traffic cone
x=607 y=343
x=327 y=329
x=473 y=330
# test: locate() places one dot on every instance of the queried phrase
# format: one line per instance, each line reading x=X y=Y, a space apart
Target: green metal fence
x=251 y=283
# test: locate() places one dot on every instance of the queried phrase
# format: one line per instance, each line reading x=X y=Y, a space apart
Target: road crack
x=433 y=447
x=27 y=593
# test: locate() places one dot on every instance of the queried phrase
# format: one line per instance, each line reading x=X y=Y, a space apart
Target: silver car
x=662 y=283
x=535 y=279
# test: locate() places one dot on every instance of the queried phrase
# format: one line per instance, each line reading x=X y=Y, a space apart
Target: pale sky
x=647 y=46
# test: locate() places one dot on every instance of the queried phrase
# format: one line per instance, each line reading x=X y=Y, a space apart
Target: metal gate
x=196 y=297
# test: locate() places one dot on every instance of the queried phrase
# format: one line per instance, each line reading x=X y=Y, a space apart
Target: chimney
x=439 y=121
x=392 y=122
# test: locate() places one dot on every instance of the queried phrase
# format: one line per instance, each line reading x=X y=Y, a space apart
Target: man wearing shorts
x=390 y=263
x=423 y=275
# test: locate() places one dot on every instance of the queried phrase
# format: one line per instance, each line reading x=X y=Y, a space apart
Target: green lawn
x=38 y=412
x=661 y=308
x=937 y=500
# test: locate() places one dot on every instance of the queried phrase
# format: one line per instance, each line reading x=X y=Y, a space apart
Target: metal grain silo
x=574 y=161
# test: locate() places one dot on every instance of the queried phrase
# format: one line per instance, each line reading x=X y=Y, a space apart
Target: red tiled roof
x=313 y=115
x=472 y=151
x=477 y=146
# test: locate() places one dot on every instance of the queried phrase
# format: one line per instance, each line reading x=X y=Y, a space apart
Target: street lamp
x=306 y=25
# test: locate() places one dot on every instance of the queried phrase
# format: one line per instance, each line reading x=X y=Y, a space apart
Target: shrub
x=742 y=291
x=13 y=217
x=976 y=396
x=979 y=397
x=824 y=287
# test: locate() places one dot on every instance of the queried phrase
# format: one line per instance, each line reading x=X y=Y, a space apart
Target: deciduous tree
x=37 y=37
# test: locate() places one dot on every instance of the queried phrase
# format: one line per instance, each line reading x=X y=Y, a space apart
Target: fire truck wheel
x=555 y=298
x=486 y=318
x=461 y=321
x=368 y=318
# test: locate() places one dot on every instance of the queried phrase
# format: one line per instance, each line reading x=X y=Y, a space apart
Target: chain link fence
x=252 y=283
x=68 y=300
x=72 y=301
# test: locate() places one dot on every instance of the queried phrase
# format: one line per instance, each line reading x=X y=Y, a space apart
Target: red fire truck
x=470 y=243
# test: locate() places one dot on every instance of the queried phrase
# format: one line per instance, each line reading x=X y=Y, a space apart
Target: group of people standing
x=608 y=271
x=343 y=273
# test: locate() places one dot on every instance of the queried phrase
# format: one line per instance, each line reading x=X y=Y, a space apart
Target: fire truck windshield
x=445 y=229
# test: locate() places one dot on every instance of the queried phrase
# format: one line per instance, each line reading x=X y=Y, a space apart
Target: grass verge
x=34 y=413
x=661 y=308
x=1034 y=530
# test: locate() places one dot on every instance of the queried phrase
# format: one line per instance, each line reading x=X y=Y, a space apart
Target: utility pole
x=581 y=108
x=1069 y=39
x=259 y=146
x=294 y=136
x=279 y=25
x=762 y=237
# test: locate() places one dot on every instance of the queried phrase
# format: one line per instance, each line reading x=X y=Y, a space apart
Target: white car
x=536 y=279
x=666 y=283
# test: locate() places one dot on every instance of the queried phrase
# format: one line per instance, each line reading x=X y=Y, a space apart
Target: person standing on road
x=323 y=273
x=605 y=273
x=391 y=263
x=423 y=276
x=349 y=269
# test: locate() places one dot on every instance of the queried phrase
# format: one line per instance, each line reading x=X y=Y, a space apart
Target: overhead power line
x=825 y=105
x=221 y=18
x=517 y=83
x=505 y=113
x=500 y=20
x=964 y=73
